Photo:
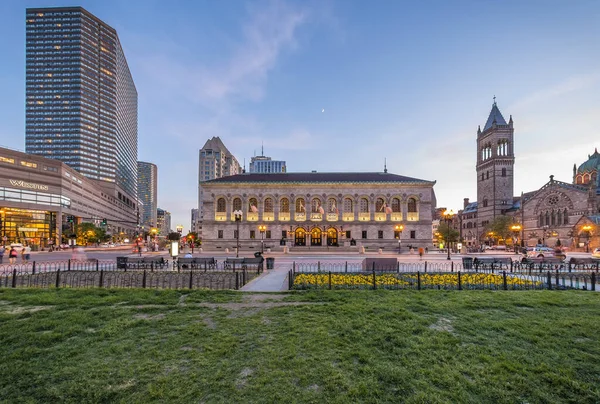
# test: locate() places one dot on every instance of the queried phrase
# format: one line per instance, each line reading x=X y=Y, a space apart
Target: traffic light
x=70 y=219
x=104 y=222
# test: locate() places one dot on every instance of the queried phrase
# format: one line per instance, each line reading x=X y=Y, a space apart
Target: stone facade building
x=557 y=211
x=317 y=210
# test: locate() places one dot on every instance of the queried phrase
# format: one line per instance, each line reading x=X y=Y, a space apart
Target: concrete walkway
x=272 y=280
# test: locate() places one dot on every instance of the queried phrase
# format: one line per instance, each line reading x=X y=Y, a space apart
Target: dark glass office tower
x=81 y=99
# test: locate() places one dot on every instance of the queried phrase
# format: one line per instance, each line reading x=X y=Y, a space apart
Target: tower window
x=504 y=172
x=485 y=203
x=487 y=175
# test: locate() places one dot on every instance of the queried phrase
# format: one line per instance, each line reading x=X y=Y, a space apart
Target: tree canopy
x=447 y=233
x=501 y=227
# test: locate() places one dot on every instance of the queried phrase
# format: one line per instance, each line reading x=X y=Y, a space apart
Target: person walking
x=421 y=251
x=2 y=251
x=12 y=255
x=27 y=253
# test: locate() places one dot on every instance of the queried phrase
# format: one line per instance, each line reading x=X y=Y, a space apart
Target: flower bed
x=412 y=281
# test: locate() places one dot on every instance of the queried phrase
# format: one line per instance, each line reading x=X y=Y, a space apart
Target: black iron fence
x=424 y=275
x=106 y=274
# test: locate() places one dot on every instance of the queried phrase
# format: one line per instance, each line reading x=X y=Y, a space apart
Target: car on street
x=540 y=252
x=596 y=253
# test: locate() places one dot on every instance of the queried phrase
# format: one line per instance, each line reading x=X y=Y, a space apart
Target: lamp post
x=399 y=229
x=262 y=229
x=516 y=228
x=179 y=229
x=191 y=237
x=588 y=229
x=154 y=231
x=238 y=218
x=448 y=215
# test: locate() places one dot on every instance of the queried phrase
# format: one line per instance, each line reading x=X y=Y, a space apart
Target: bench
x=542 y=263
x=244 y=263
x=196 y=263
x=492 y=263
x=584 y=263
x=141 y=262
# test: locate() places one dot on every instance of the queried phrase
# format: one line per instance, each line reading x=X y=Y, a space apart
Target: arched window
x=482 y=177
x=348 y=205
x=315 y=205
x=586 y=178
x=487 y=175
x=380 y=205
x=269 y=205
x=252 y=205
x=332 y=206
x=284 y=205
x=504 y=172
x=553 y=218
x=485 y=203
x=559 y=217
x=579 y=180
x=395 y=205
x=364 y=205
x=221 y=206
x=237 y=204
x=547 y=219
x=300 y=205
x=412 y=205
x=541 y=220
x=565 y=217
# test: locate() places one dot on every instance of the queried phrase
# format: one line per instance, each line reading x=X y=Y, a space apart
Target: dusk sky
x=406 y=81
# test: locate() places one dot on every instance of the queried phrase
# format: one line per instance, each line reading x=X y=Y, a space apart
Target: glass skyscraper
x=148 y=192
x=81 y=99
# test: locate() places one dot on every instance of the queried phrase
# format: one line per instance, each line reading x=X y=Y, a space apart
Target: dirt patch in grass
x=209 y=323
x=262 y=297
x=149 y=316
x=24 y=309
x=242 y=379
x=443 y=325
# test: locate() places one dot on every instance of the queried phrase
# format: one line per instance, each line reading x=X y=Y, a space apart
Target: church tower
x=495 y=164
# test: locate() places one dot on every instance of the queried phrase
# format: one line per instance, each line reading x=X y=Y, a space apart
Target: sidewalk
x=272 y=280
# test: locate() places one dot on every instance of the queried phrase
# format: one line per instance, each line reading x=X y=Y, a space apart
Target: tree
x=445 y=235
x=501 y=226
x=89 y=233
x=192 y=236
x=173 y=236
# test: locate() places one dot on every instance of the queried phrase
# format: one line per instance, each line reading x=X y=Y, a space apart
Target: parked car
x=499 y=247
x=540 y=252
x=596 y=253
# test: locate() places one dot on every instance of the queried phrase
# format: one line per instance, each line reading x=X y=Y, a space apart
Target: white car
x=540 y=252
x=596 y=253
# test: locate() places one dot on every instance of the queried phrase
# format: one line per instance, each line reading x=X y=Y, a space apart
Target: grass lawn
x=335 y=346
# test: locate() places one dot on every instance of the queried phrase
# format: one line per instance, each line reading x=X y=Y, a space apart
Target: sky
x=344 y=85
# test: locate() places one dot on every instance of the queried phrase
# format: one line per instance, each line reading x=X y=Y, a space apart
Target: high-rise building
x=147 y=190
x=264 y=165
x=81 y=99
x=495 y=163
x=163 y=221
x=215 y=162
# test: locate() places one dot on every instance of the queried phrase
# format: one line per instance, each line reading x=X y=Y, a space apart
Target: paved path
x=272 y=280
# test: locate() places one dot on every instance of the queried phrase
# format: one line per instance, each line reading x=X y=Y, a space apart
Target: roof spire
x=262 y=148
x=494 y=99
x=494 y=117
x=384 y=165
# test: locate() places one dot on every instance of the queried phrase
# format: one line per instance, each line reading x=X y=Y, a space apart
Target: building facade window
x=284 y=205
x=364 y=234
x=221 y=206
x=220 y=234
x=380 y=234
x=253 y=234
x=413 y=234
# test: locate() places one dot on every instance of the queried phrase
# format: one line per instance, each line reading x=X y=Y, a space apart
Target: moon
x=323 y=110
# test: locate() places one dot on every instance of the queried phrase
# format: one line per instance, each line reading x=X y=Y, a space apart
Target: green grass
x=334 y=346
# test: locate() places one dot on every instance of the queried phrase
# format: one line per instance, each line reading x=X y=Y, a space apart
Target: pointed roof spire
x=384 y=165
x=262 y=148
x=495 y=117
x=479 y=129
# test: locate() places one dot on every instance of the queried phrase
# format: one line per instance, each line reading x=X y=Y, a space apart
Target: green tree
x=501 y=226
x=447 y=233
x=89 y=233
x=193 y=236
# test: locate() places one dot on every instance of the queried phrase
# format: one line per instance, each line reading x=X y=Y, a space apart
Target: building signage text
x=23 y=184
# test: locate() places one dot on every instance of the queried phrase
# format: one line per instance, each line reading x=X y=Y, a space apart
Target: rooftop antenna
x=244 y=164
x=384 y=165
x=262 y=148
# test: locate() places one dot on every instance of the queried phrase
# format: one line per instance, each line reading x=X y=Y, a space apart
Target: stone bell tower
x=495 y=168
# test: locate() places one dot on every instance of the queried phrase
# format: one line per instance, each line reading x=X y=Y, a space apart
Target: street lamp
x=448 y=215
x=262 y=229
x=191 y=237
x=399 y=229
x=588 y=229
x=516 y=228
x=238 y=219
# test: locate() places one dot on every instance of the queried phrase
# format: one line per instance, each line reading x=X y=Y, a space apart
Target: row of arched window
x=585 y=178
x=502 y=149
x=316 y=205
x=553 y=218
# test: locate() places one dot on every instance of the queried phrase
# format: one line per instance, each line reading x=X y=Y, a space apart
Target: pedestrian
x=23 y=254
x=426 y=250
x=12 y=255
x=27 y=253
x=421 y=251
x=2 y=251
